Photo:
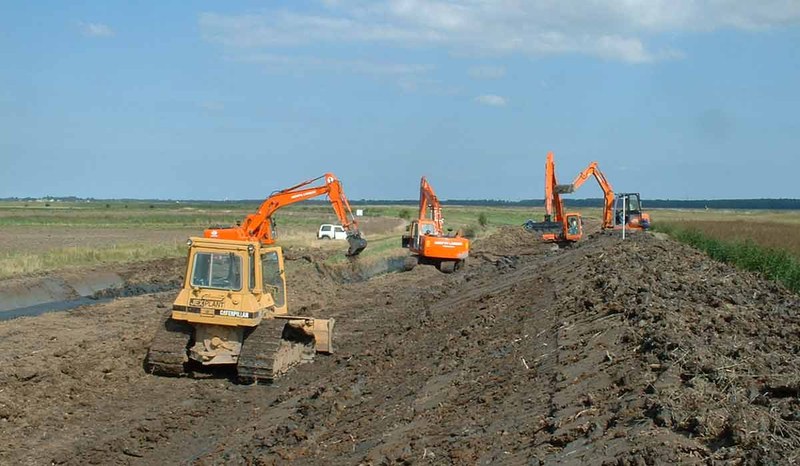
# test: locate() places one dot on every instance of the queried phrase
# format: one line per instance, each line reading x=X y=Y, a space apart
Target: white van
x=328 y=231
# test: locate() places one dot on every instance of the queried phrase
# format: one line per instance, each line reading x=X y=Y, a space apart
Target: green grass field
x=40 y=236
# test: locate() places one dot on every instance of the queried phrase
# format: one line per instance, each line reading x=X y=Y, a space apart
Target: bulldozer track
x=270 y=350
x=167 y=353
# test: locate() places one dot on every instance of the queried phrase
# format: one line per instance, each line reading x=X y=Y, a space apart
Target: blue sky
x=212 y=100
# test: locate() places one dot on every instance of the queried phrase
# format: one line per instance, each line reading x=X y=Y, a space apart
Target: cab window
x=573 y=225
x=272 y=279
x=633 y=204
x=217 y=270
x=325 y=228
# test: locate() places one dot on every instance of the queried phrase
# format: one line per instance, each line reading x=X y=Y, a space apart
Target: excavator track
x=271 y=349
x=167 y=354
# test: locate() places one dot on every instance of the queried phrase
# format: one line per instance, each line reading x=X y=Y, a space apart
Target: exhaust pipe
x=357 y=244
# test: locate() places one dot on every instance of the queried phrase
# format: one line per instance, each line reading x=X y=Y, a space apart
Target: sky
x=678 y=99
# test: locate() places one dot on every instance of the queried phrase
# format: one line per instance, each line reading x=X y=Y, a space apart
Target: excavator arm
x=429 y=203
x=259 y=226
x=608 y=191
x=552 y=194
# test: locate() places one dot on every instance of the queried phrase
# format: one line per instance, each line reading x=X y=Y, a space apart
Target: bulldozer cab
x=230 y=282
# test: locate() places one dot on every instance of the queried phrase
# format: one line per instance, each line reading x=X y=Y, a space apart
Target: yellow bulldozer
x=232 y=309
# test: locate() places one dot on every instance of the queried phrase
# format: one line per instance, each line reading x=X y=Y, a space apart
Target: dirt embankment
x=642 y=352
x=38 y=291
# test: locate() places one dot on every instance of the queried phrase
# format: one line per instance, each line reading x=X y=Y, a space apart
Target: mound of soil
x=607 y=352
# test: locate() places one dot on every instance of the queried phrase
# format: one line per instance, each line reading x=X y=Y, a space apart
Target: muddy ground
x=642 y=352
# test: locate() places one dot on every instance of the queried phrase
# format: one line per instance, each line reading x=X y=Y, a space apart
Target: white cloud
x=491 y=100
x=96 y=30
x=291 y=63
x=608 y=29
x=487 y=72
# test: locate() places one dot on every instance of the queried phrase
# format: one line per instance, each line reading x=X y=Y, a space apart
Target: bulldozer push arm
x=259 y=226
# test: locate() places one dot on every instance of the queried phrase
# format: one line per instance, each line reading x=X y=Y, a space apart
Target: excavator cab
x=628 y=212
x=574 y=227
x=417 y=230
x=232 y=310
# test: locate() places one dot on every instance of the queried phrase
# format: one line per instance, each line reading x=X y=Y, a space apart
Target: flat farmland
x=38 y=237
x=778 y=230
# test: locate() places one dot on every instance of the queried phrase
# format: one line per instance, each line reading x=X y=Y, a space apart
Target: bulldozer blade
x=357 y=244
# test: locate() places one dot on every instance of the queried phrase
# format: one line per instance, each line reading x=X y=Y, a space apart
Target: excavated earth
x=620 y=353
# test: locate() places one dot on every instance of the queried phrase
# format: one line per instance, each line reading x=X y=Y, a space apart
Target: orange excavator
x=628 y=211
x=558 y=226
x=260 y=225
x=618 y=210
x=232 y=309
x=621 y=209
x=426 y=239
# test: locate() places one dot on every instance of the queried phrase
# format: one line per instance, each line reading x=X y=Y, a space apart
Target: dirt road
x=643 y=352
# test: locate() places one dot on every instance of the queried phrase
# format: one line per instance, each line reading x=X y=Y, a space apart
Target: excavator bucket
x=565 y=188
x=357 y=244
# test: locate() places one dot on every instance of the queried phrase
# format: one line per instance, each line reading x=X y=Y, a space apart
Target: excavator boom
x=259 y=226
x=429 y=206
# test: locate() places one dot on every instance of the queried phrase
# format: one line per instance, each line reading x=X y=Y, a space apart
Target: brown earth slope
x=643 y=352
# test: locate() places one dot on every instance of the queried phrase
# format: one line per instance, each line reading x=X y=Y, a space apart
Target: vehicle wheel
x=326 y=237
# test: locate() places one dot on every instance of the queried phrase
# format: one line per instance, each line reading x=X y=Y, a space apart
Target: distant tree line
x=748 y=204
